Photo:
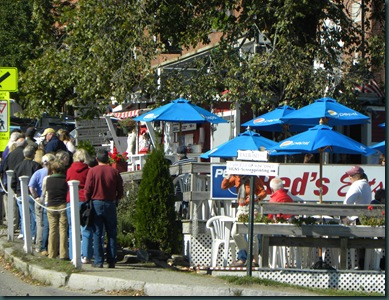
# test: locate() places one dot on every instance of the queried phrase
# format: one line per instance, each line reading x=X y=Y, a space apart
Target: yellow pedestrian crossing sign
x=8 y=79
x=4 y=95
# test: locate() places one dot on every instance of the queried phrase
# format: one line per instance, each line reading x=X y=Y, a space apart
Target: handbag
x=86 y=213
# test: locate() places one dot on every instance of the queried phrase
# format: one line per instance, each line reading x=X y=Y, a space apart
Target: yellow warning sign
x=8 y=79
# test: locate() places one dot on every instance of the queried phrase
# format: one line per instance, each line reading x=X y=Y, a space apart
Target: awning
x=126 y=114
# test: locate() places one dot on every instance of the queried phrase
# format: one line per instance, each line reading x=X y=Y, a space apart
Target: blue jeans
x=86 y=237
x=45 y=233
x=242 y=253
x=105 y=217
x=31 y=203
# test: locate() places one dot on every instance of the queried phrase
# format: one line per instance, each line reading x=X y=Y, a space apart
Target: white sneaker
x=85 y=260
x=20 y=236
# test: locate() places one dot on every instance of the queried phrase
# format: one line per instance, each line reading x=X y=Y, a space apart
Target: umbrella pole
x=321 y=193
x=250 y=254
x=321 y=176
x=180 y=135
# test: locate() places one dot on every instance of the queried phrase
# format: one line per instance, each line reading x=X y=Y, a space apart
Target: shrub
x=155 y=219
x=126 y=211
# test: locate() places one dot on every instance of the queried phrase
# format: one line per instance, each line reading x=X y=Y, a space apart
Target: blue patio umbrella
x=271 y=121
x=248 y=140
x=379 y=146
x=320 y=139
x=180 y=111
x=327 y=109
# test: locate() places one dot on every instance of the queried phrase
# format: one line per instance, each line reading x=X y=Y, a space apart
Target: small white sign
x=252 y=168
x=252 y=155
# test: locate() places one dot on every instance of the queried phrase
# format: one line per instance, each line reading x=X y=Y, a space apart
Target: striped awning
x=125 y=114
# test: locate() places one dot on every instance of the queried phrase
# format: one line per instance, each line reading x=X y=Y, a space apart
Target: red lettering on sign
x=323 y=186
x=299 y=185
x=2 y=106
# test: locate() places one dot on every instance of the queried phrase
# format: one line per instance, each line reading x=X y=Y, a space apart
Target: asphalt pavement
x=153 y=280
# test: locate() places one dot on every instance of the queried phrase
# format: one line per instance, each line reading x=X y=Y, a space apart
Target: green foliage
x=155 y=219
x=74 y=53
x=126 y=211
x=87 y=145
x=303 y=220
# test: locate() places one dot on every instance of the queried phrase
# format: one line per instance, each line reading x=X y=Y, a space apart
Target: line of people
x=49 y=166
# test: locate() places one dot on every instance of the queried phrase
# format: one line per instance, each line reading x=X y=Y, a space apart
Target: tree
x=18 y=40
x=155 y=217
x=91 y=51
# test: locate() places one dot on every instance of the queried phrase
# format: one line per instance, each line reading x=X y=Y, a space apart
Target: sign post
x=8 y=83
x=253 y=169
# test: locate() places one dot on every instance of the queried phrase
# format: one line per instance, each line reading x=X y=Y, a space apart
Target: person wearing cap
x=14 y=157
x=53 y=143
x=27 y=167
x=35 y=188
x=30 y=132
x=359 y=191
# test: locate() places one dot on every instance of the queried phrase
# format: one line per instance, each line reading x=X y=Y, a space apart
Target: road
x=13 y=285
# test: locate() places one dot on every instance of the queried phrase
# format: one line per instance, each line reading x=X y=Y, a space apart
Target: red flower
x=370 y=207
x=383 y=213
x=115 y=156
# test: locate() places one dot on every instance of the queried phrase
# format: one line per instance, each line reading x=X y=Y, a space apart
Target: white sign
x=184 y=127
x=252 y=168
x=252 y=155
x=303 y=181
x=4 y=115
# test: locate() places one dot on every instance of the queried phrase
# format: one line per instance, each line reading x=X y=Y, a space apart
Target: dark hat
x=182 y=149
x=30 y=131
x=355 y=170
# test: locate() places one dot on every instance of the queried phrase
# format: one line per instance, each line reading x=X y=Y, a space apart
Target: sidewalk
x=154 y=281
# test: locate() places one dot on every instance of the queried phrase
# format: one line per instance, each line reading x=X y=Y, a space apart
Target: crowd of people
x=49 y=166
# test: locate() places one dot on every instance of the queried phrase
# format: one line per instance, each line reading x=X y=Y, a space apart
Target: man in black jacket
x=27 y=167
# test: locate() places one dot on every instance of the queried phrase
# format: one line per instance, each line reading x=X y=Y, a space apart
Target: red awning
x=125 y=114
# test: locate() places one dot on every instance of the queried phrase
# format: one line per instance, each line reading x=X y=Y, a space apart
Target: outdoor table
x=337 y=236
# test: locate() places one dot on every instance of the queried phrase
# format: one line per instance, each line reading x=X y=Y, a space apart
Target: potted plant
x=118 y=160
x=127 y=125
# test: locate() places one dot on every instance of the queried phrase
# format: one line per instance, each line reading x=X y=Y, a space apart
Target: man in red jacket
x=104 y=187
x=279 y=195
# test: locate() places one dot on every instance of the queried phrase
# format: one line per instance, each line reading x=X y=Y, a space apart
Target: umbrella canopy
x=247 y=140
x=380 y=147
x=271 y=121
x=181 y=111
x=319 y=139
x=327 y=109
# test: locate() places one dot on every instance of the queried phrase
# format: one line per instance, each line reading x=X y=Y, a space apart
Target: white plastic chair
x=220 y=227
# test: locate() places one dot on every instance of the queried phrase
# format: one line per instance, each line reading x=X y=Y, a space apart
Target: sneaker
x=238 y=263
x=44 y=253
x=20 y=236
x=111 y=265
x=97 y=265
x=85 y=260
